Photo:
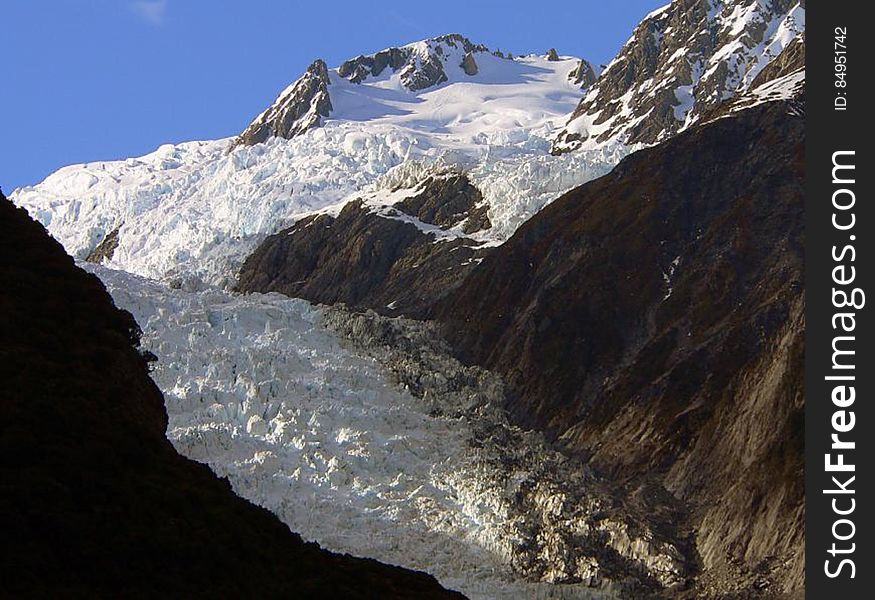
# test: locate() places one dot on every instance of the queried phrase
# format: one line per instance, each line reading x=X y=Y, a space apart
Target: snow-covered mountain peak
x=391 y=80
x=682 y=61
x=195 y=210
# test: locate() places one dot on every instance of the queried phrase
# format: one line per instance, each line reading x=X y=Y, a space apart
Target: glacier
x=190 y=213
x=272 y=393
x=358 y=447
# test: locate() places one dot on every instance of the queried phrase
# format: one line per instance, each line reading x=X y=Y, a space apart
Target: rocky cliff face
x=583 y=75
x=392 y=258
x=651 y=322
x=421 y=65
x=789 y=61
x=681 y=62
x=782 y=79
x=94 y=498
x=301 y=107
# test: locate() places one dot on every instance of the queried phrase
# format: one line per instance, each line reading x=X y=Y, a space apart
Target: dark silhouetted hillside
x=94 y=501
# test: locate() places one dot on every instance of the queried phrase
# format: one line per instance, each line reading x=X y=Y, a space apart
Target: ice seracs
x=364 y=434
x=190 y=213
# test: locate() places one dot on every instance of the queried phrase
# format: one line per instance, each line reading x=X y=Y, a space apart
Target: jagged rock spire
x=299 y=108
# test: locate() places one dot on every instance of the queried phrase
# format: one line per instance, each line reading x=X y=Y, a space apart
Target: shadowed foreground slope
x=94 y=500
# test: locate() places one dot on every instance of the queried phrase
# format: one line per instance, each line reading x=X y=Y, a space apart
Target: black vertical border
x=828 y=131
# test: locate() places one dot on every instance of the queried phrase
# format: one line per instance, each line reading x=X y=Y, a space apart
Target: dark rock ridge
x=360 y=68
x=94 y=500
x=447 y=201
x=298 y=109
x=635 y=99
x=583 y=74
x=105 y=249
x=361 y=259
x=651 y=322
x=418 y=71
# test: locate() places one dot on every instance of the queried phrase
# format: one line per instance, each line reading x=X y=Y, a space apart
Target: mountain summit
x=335 y=133
x=405 y=70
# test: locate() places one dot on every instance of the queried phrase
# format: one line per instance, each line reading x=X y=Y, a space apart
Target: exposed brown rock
x=446 y=201
x=790 y=64
x=361 y=67
x=361 y=259
x=296 y=111
x=583 y=74
x=469 y=65
x=417 y=72
x=430 y=72
x=791 y=59
x=651 y=321
x=105 y=249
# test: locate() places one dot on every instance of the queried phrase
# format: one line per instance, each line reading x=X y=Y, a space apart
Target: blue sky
x=88 y=80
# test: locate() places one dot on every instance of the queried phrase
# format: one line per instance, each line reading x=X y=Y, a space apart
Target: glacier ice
x=361 y=433
x=190 y=213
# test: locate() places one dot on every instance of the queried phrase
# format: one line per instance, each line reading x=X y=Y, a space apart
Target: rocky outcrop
x=105 y=249
x=782 y=79
x=94 y=499
x=583 y=75
x=359 y=258
x=360 y=68
x=469 y=65
x=651 y=321
x=421 y=65
x=552 y=55
x=789 y=61
x=301 y=107
x=681 y=62
x=388 y=257
x=448 y=201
